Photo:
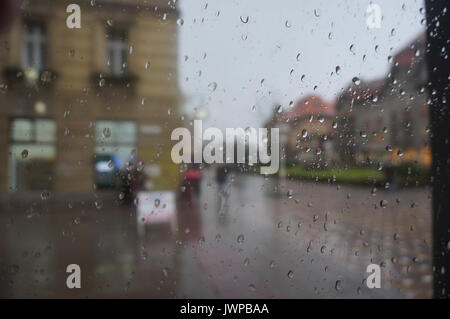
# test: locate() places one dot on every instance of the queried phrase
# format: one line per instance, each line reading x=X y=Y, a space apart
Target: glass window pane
x=125 y=132
x=324 y=111
x=22 y=130
x=45 y=130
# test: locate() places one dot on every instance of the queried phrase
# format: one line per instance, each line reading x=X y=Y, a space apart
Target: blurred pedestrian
x=221 y=176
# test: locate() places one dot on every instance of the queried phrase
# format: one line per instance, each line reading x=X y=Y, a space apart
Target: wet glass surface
x=89 y=176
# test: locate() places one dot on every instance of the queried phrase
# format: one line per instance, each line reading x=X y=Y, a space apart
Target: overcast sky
x=216 y=46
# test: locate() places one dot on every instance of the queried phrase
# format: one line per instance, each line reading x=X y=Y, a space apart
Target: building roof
x=364 y=89
x=412 y=54
x=407 y=58
x=310 y=105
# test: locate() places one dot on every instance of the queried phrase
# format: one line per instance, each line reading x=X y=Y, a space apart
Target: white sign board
x=156 y=207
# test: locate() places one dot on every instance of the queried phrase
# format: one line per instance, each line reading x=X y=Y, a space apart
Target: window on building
x=117 y=47
x=33 y=52
x=115 y=145
x=32 y=153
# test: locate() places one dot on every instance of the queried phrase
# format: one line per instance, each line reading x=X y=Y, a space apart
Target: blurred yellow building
x=79 y=103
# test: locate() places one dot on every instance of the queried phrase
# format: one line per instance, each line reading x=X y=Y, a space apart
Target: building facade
x=387 y=119
x=79 y=103
x=309 y=131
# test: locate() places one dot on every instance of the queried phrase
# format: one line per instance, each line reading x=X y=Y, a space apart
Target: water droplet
x=98 y=204
x=110 y=163
x=45 y=195
x=352 y=48
x=383 y=203
x=24 y=154
x=338 y=285
x=240 y=239
x=356 y=80
x=212 y=86
x=304 y=133
x=106 y=132
x=157 y=202
x=144 y=255
x=290 y=274
x=244 y=19
x=338 y=70
x=101 y=83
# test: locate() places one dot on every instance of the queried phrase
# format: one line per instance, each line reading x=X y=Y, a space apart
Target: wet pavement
x=256 y=238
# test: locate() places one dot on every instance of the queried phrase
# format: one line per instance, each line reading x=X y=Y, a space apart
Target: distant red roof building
x=315 y=116
x=310 y=105
x=364 y=90
x=399 y=98
x=411 y=55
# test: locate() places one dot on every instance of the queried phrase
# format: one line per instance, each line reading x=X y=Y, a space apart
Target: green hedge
x=412 y=174
x=340 y=175
x=406 y=174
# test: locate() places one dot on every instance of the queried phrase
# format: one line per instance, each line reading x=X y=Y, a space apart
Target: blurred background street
x=308 y=244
